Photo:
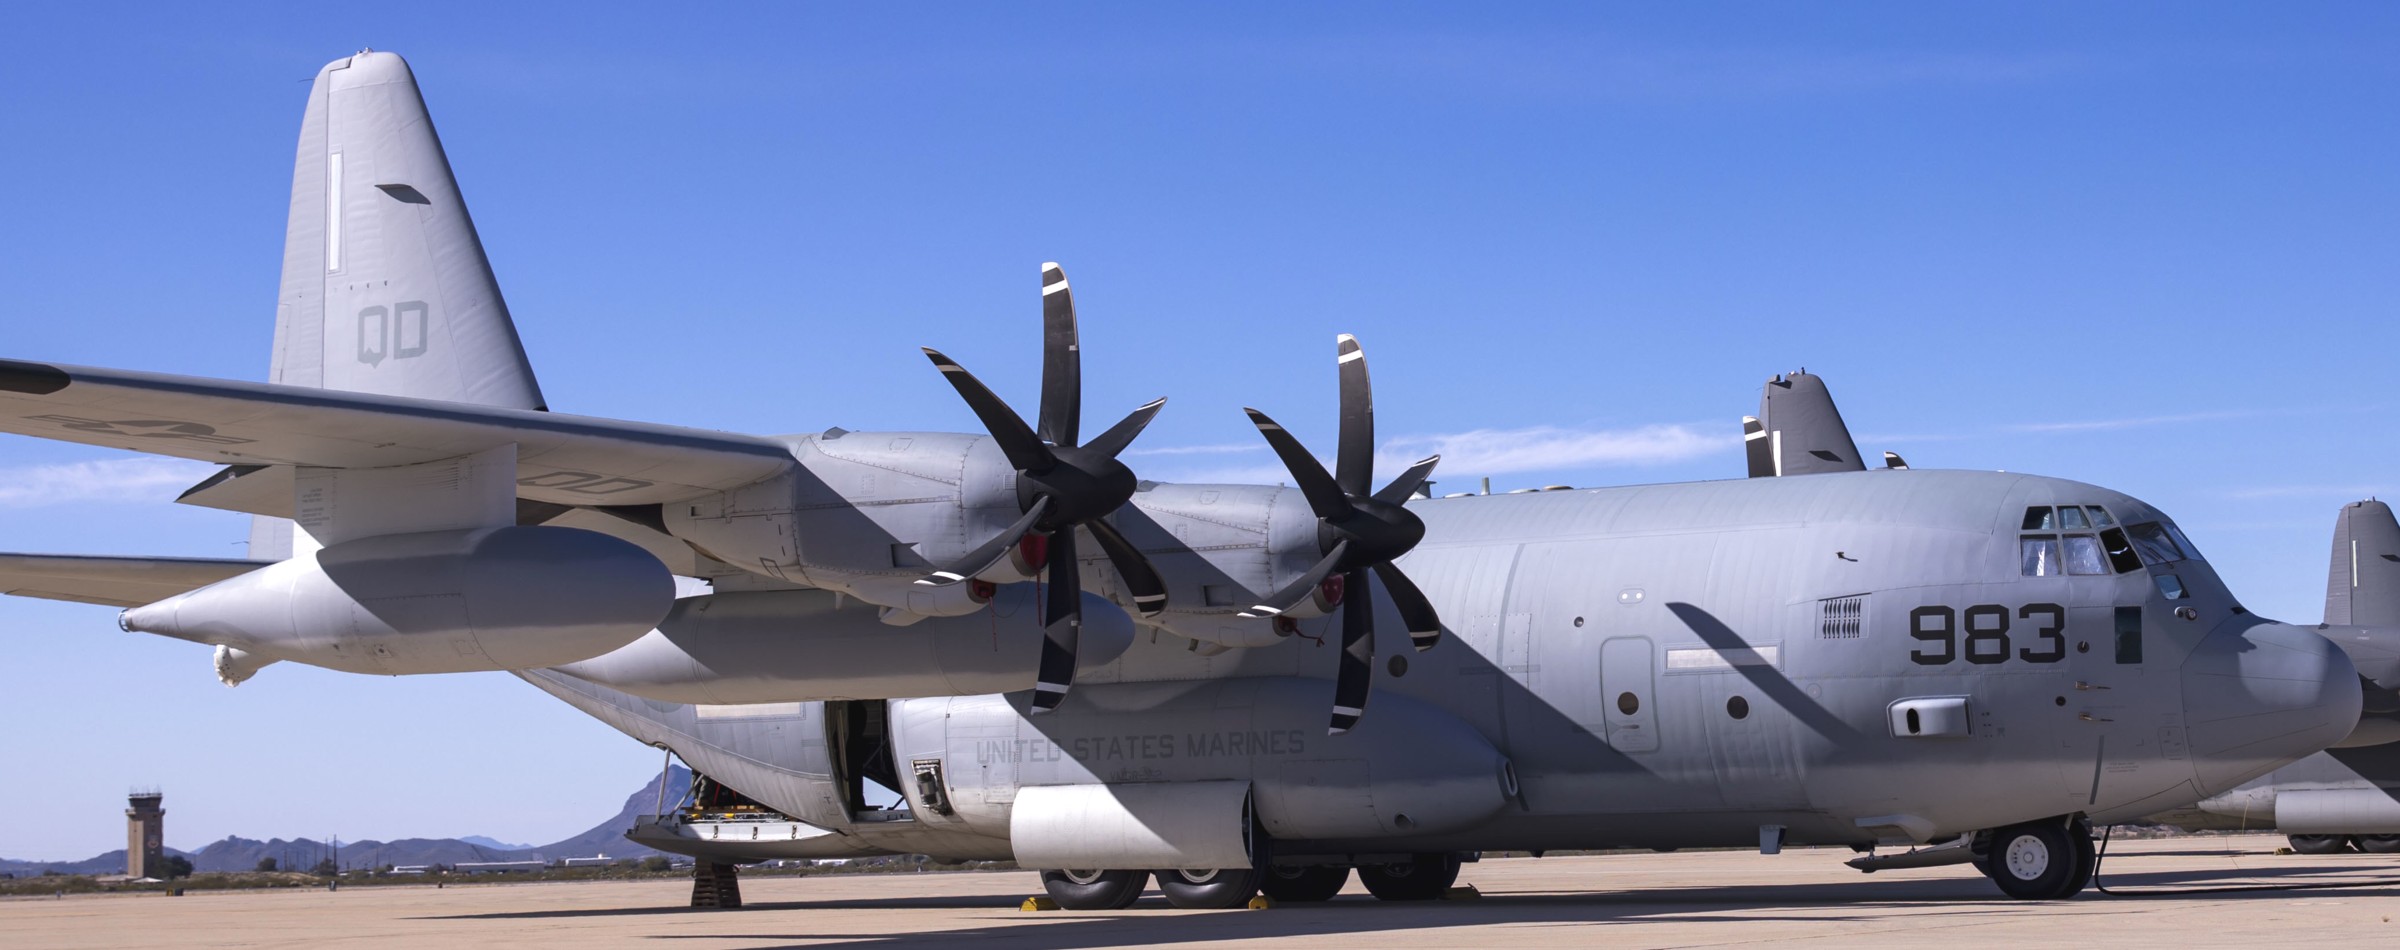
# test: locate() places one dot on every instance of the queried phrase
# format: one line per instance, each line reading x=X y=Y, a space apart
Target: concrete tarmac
x=2165 y=893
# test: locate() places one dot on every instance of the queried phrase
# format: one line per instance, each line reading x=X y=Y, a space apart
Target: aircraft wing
x=113 y=581
x=563 y=459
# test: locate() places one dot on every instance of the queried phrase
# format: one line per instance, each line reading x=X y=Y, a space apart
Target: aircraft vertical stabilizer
x=2363 y=585
x=385 y=285
x=1802 y=432
x=386 y=289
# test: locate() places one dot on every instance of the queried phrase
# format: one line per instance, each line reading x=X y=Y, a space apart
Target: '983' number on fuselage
x=1981 y=634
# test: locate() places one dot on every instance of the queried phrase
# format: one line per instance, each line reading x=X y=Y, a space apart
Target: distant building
x=145 y=833
x=487 y=867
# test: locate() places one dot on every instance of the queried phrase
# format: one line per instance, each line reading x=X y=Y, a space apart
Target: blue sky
x=2151 y=247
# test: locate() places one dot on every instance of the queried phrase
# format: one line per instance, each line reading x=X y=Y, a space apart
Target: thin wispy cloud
x=1229 y=448
x=1481 y=452
x=2351 y=492
x=2133 y=422
x=110 y=480
x=1550 y=448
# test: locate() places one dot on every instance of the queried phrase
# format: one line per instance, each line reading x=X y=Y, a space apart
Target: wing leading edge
x=563 y=459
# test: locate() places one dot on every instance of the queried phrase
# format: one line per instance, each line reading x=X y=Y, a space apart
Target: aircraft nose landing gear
x=2050 y=859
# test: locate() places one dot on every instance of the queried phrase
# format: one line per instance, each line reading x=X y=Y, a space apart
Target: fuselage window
x=2169 y=585
x=2129 y=635
x=2041 y=518
x=2072 y=518
x=2100 y=518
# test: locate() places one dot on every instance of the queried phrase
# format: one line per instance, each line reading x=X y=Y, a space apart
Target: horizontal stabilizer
x=113 y=581
x=563 y=459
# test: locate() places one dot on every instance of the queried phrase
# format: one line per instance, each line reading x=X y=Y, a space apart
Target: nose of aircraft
x=2257 y=697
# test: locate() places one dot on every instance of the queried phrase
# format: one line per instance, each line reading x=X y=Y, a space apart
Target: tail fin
x=385 y=286
x=1798 y=431
x=2363 y=586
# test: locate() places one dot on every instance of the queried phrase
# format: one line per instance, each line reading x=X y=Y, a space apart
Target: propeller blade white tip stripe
x=1352 y=355
x=1049 y=688
x=1347 y=711
x=1054 y=288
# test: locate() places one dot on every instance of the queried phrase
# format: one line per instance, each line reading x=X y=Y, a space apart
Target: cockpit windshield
x=2158 y=542
x=2085 y=539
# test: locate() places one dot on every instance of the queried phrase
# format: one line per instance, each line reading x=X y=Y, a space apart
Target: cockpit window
x=2083 y=554
x=2050 y=555
x=2039 y=556
x=2156 y=542
x=2119 y=550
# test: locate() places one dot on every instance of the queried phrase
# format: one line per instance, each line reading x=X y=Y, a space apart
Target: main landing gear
x=2046 y=860
x=1420 y=877
x=2341 y=844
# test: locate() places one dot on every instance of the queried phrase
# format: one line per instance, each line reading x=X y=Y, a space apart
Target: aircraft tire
x=1426 y=877
x=1214 y=889
x=2038 y=861
x=2379 y=844
x=1304 y=885
x=2320 y=844
x=1095 y=890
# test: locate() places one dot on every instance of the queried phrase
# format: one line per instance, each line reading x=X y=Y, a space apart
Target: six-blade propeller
x=1357 y=532
x=1061 y=485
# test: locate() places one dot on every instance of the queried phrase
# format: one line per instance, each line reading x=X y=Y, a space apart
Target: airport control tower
x=145 y=832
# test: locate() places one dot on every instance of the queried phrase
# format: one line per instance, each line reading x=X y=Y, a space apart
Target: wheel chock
x=1463 y=892
x=1037 y=903
x=1261 y=902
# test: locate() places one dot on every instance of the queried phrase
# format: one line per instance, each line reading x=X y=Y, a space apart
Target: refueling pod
x=434 y=602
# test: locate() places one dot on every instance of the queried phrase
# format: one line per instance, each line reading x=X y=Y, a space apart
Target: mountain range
x=235 y=853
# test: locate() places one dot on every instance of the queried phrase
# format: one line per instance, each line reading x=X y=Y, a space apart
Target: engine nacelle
x=502 y=598
x=803 y=645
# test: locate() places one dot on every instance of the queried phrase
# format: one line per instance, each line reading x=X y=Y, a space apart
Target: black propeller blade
x=1061 y=485
x=1358 y=531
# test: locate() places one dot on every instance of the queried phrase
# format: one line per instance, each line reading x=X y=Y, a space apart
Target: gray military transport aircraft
x=1853 y=657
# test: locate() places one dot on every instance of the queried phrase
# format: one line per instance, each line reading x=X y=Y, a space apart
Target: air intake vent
x=1842 y=618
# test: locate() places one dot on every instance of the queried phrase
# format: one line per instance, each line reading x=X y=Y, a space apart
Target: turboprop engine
x=503 y=598
x=802 y=645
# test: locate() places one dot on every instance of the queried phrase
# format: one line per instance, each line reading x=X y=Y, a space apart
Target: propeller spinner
x=1061 y=485
x=1357 y=532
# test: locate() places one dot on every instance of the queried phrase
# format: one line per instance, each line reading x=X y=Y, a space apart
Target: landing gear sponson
x=2049 y=859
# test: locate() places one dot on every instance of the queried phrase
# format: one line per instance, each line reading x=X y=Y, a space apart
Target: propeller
x=1061 y=485
x=1358 y=532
